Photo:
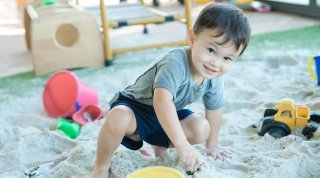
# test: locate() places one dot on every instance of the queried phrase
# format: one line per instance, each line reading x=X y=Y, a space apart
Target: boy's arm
x=168 y=118
x=214 y=118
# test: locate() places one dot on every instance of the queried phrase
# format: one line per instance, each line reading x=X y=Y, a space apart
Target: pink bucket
x=64 y=94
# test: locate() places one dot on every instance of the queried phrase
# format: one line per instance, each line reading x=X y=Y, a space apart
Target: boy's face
x=210 y=58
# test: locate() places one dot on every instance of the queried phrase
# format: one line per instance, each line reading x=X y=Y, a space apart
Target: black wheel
x=269 y=112
x=145 y=29
x=155 y=3
x=309 y=130
x=315 y=117
x=108 y=62
x=277 y=132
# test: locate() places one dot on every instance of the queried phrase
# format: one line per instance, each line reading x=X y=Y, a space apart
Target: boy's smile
x=210 y=55
x=210 y=70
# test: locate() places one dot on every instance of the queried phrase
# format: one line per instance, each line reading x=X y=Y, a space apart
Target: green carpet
x=304 y=38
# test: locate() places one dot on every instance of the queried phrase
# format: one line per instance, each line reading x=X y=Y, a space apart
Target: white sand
x=28 y=137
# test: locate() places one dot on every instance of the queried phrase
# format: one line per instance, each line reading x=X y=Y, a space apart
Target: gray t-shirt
x=172 y=71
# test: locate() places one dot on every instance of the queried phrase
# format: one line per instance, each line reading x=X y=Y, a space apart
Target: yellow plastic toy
x=243 y=4
x=243 y=1
x=311 y=73
x=203 y=1
x=286 y=117
x=291 y=114
x=317 y=66
x=156 y=172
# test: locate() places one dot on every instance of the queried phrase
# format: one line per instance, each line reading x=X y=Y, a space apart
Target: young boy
x=152 y=109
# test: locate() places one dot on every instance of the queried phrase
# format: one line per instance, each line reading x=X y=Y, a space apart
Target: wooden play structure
x=126 y=14
x=61 y=36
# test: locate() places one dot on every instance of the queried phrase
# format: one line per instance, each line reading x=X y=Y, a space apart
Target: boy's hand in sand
x=217 y=153
x=190 y=157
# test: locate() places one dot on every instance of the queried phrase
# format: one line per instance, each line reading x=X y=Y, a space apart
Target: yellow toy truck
x=286 y=117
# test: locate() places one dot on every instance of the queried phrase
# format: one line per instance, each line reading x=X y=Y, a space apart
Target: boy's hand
x=217 y=153
x=189 y=157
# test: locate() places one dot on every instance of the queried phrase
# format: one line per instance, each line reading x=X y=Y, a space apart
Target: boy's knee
x=119 y=118
x=201 y=131
x=121 y=110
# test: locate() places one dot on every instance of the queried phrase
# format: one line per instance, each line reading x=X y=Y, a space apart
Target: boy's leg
x=195 y=128
x=157 y=150
x=120 y=121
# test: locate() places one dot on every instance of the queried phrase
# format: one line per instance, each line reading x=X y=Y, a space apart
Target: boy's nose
x=215 y=63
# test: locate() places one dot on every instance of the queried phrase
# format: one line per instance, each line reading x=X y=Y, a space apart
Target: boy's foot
x=100 y=171
x=159 y=151
x=145 y=152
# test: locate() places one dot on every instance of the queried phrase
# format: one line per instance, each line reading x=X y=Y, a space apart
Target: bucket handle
x=78 y=105
x=311 y=73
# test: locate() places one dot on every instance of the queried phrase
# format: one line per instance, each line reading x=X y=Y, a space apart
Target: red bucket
x=64 y=94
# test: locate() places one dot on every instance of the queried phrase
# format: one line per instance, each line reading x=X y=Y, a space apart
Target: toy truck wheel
x=277 y=132
x=269 y=112
x=315 y=117
x=308 y=131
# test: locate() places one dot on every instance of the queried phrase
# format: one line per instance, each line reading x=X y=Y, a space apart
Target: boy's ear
x=191 y=37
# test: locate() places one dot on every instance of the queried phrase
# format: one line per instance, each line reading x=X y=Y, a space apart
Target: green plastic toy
x=71 y=129
x=48 y=2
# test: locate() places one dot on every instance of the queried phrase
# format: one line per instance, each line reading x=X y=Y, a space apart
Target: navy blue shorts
x=148 y=126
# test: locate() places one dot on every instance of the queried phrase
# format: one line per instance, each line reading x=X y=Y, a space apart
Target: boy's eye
x=211 y=50
x=227 y=59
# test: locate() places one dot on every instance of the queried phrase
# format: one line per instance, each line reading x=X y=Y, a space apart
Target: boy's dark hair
x=230 y=21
